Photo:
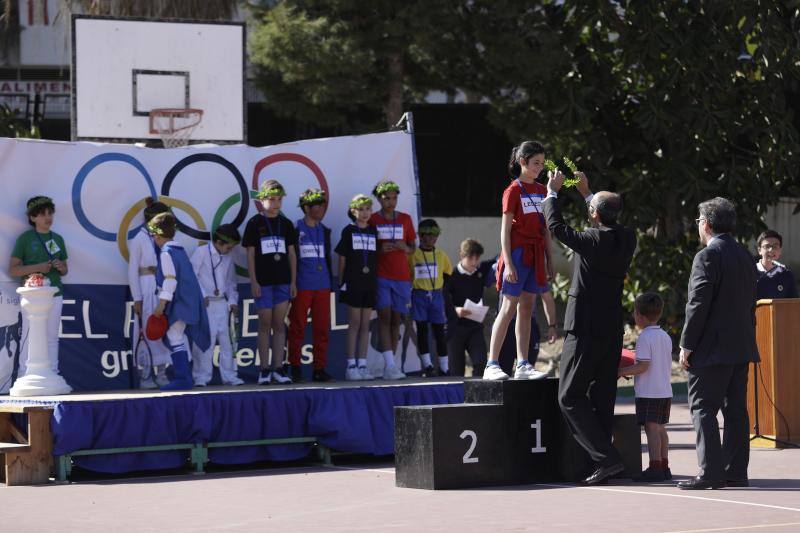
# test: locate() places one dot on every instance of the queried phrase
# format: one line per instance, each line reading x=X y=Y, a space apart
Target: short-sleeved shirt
x=654 y=345
x=525 y=204
x=359 y=248
x=271 y=238
x=312 y=255
x=33 y=248
x=394 y=265
x=429 y=269
x=777 y=282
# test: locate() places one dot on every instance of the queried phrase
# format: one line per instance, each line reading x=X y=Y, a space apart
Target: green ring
x=217 y=221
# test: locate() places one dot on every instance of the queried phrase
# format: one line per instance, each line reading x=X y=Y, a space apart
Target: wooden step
x=13 y=447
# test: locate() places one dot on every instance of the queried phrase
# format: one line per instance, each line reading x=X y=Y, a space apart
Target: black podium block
x=534 y=429
x=449 y=446
x=627 y=435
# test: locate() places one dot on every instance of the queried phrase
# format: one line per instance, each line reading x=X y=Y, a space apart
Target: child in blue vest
x=180 y=299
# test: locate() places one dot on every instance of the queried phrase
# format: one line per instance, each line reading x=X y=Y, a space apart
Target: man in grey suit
x=717 y=344
x=587 y=388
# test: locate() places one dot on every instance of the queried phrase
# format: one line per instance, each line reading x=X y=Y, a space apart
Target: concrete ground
x=360 y=495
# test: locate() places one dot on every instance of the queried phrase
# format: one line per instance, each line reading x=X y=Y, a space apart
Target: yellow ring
x=122 y=234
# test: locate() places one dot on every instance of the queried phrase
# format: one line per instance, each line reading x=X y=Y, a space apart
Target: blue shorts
x=395 y=294
x=272 y=295
x=526 y=278
x=428 y=306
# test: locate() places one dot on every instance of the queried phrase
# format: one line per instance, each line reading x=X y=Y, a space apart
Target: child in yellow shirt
x=429 y=267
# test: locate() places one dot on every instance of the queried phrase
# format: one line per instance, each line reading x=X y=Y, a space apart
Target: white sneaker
x=365 y=374
x=527 y=371
x=200 y=384
x=494 y=373
x=161 y=377
x=393 y=373
x=264 y=377
x=279 y=376
x=235 y=381
x=147 y=384
x=352 y=374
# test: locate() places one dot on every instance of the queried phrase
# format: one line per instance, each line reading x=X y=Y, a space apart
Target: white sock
x=444 y=364
x=362 y=363
x=388 y=357
x=351 y=362
x=426 y=360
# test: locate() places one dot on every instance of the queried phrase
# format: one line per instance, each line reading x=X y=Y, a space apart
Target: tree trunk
x=394 y=102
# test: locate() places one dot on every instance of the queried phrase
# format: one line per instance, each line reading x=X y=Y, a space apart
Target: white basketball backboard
x=123 y=68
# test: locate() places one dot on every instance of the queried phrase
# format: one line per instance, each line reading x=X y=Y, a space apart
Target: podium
x=778 y=339
x=506 y=433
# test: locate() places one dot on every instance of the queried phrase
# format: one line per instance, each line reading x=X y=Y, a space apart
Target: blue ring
x=77 y=185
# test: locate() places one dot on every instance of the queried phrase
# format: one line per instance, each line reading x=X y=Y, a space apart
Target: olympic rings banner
x=99 y=192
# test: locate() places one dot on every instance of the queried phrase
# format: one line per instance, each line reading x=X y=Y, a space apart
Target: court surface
x=359 y=495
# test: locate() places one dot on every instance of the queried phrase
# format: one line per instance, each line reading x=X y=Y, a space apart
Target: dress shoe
x=602 y=473
x=738 y=482
x=321 y=376
x=698 y=483
x=297 y=374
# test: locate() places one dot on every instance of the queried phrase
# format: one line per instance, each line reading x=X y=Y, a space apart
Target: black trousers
x=711 y=389
x=466 y=338
x=587 y=392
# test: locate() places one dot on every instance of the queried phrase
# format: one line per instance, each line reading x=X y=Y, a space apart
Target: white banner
x=99 y=192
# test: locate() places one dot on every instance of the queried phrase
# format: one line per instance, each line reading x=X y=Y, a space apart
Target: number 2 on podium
x=468 y=433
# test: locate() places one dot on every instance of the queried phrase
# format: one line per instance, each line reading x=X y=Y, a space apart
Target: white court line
x=737 y=528
x=675 y=496
x=385 y=471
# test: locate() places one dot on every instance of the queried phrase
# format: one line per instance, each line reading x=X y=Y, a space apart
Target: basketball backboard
x=124 y=68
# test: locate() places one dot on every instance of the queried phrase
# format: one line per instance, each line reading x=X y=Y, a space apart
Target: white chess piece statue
x=40 y=379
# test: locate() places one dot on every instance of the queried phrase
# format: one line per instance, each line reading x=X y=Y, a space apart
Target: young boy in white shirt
x=215 y=271
x=653 y=369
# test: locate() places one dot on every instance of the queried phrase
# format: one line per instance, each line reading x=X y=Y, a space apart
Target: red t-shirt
x=394 y=264
x=526 y=206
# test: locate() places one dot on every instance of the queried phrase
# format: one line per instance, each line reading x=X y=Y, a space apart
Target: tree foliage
x=669 y=103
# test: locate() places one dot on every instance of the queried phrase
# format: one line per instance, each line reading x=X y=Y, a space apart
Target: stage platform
x=229 y=425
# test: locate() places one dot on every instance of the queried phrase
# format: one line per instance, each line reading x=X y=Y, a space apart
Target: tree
x=346 y=62
x=671 y=104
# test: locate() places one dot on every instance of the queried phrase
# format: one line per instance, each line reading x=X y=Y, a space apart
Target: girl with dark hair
x=152 y=357
x=523 y=268
x=358 y=279
x=41 y=251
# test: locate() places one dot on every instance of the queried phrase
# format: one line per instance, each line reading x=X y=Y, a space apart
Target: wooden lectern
x=778 y=339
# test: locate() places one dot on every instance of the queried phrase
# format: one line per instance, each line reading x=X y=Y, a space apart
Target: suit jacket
x=720 y=311
x=603 y=256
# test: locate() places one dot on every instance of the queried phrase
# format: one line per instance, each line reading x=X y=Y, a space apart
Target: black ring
x=210 y=158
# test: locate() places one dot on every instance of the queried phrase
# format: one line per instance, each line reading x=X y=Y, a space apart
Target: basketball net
x=175 y=126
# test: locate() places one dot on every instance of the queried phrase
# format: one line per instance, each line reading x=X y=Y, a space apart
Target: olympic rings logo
x=200 y=231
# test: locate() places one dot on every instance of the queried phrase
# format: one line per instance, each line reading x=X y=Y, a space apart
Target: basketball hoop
x=175 y=125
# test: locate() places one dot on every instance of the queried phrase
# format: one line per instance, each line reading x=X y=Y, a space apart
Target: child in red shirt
x=396 y=241
x=523 y=266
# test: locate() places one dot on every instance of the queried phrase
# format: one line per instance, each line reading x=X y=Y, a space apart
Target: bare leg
x=353 y=330
x=500 y=327
x=363 y=333
x=278 y=334
x=527 y=301
x=653 y=432
x=264 y=326
x=394 y=330
x=664 y=442
x=385 y=329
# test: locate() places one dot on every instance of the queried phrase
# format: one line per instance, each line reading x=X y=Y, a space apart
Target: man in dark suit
x=593 y=322
x=717 y=344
